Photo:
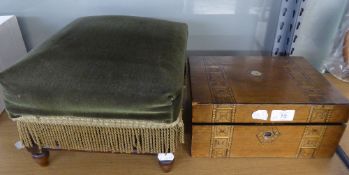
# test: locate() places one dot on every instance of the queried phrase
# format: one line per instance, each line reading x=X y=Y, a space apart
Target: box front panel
x=295 y=141
x=266 y=141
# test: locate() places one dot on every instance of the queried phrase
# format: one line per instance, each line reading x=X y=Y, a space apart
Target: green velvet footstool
x=103 y=83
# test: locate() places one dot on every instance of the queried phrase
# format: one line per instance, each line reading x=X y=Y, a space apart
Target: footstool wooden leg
x=166 y=161
x=40 y=156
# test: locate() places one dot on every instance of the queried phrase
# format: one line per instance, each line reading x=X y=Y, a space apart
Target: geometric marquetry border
x=320 y=113
x=221 y=93
x=223 y=113
x=311 y=141
x=221 y=141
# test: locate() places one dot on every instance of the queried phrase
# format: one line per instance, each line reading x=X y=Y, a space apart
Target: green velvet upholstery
x=102 y=66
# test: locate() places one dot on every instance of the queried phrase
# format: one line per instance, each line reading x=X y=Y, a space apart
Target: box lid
x=228 y=89
x=259 y=80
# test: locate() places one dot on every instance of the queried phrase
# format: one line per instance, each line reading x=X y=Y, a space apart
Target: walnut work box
x=263 y=107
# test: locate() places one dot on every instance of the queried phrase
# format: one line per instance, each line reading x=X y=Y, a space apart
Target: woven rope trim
x=100 y=135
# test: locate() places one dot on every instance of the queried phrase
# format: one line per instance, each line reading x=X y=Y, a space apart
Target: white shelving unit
x=307 y=28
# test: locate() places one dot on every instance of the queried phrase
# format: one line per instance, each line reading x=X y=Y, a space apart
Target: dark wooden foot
x=40 y=156
x=166 y=161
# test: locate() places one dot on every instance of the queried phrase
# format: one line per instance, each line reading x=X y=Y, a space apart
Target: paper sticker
x=260 y=115
x=165 y=156
x=282 y=115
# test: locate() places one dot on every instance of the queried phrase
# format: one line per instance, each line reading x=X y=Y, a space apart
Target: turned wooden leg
x=40 y=156
x=166 y=161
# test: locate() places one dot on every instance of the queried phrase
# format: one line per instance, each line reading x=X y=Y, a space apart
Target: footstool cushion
x=105 y=66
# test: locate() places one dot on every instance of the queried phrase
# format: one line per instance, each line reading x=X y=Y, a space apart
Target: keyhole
x=267 y=134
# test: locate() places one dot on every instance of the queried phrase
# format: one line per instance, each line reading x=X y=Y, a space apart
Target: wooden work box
x=263 y=107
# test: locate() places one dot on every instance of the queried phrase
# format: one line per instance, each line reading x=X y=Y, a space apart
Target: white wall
x=238 y=25
x=11 y=45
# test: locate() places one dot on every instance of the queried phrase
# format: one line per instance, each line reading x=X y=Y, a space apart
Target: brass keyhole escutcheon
x=268 y=135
